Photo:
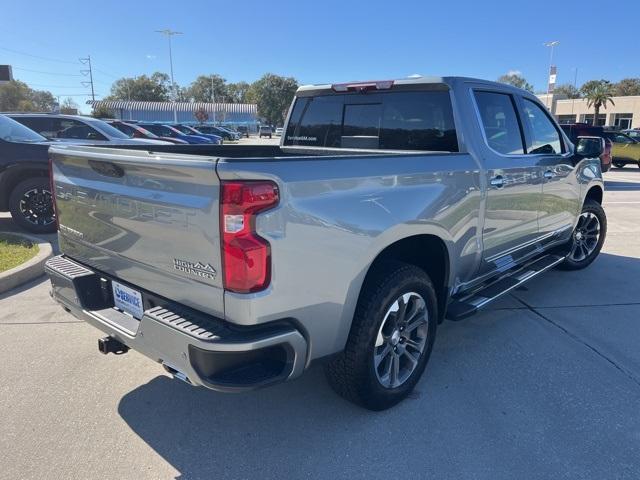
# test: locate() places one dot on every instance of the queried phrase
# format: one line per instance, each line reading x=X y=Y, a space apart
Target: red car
x=135 y=131
x=575 y=130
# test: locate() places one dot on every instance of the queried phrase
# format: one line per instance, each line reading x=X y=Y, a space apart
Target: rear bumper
x=198 y=348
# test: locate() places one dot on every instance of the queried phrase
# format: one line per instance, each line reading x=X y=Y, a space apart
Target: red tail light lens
x=246 y=257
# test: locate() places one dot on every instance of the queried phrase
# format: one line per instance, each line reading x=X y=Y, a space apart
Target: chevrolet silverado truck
x=388 y=207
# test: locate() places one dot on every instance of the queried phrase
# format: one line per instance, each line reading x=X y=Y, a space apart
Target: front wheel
x=391 y=338
x=31 y=205
x=618 y=164
x=587 y=238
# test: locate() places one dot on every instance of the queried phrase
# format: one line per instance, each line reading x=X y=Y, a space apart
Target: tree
x=237 y=92
x=201 y=90
x=516 y=80
x=156 y=88
x=627 y=87
x=598 y=93
x=567 y=89
x=273 y=94
x=69 y=104
x=102 y=112
x=18 y=96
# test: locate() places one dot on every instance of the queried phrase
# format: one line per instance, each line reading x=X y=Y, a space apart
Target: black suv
x=25 y=190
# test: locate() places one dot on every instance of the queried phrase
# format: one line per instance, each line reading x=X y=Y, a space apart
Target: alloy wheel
x=36 y=206
x=401 y=340
x=585 y=237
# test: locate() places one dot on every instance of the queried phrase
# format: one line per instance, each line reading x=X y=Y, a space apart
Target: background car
x=575 y=130
x=279 y=131
x=243 y=130
x=625 y=149
x=634 y=133
x=223 y=132
x=167 y=131
x=264 y=132
x=78 y=129
x=187 y=130
x=25 y=190
x=136 y=131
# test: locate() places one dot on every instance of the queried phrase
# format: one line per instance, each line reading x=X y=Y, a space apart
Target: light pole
x=213 y=100
x=170 y=33
x=575 y=86
x=552 y=44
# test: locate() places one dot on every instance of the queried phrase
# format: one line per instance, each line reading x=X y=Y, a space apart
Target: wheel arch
x=426 y=251
x=13 y=176
x=594 y=193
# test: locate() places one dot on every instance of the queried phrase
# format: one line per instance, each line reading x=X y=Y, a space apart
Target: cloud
x=150 y=57
x=514 y=72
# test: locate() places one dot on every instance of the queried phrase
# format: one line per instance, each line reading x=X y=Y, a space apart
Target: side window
x=78 y=130
x=500 y=122
x=544 y=135
x=126 y=129
x=42 y=125
x=620 y=138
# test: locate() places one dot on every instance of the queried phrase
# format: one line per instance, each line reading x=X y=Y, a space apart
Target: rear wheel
x=618 y=164
x=391 y=338
x=31 y=205
x=588 y=237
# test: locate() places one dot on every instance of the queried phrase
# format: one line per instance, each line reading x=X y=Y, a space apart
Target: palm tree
x=597 y=93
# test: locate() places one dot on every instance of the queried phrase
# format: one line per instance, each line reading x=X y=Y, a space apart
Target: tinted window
x=390 y=121
x=544 y=135
x=126 y=129
x=42 y=125
x=500 y=123
x=12 y=131
x=622 y=138
x=68 y=128
x=105 y=128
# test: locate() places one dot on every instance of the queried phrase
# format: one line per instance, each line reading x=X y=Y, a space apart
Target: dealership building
x=183 y=112
x=625 y=113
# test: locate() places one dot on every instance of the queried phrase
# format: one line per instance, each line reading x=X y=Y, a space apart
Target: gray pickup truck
x=387 y=208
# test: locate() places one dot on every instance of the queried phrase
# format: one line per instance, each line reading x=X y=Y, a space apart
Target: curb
x=30 y=269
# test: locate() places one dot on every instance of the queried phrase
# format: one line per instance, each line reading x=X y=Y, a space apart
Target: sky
x=315 y=42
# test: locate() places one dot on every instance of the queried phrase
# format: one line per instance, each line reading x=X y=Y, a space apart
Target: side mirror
x=590 y=147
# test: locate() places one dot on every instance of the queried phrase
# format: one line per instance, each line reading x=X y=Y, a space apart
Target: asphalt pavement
x=544 y=384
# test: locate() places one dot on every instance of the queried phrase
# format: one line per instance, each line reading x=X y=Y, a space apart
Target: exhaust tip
x=111 y=345
x=175 y=373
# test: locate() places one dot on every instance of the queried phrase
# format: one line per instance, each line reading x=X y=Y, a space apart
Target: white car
x=279 y=131
x=78 y=129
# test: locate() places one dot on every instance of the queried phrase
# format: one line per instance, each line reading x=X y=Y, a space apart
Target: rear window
x=382 y=120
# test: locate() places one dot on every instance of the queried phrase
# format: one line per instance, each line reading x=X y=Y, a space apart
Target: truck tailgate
x=148 y=219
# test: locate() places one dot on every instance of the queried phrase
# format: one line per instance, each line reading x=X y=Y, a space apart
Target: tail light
x=52 y=188
x=246 y=257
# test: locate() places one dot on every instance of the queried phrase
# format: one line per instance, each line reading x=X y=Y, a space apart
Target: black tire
x=31 y=205
x=576 y=262
x=353 y=374
x=618 y=164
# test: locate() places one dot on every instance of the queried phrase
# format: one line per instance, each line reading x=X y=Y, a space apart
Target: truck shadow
x=482 y=387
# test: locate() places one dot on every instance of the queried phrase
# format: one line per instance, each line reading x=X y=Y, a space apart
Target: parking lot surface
x=544 y=384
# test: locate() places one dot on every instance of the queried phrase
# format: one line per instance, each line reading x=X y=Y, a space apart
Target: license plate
x=127 y=299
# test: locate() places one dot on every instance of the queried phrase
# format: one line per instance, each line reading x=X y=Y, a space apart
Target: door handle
x=497 y=182
x=549 y=174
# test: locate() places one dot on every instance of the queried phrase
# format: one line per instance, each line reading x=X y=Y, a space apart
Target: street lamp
x=170 y=33
x=552 y=44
